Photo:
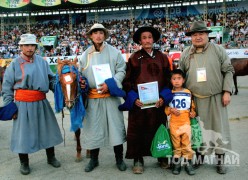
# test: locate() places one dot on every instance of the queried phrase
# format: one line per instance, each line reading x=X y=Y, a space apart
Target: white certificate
x=101 y=73
x=148 y=94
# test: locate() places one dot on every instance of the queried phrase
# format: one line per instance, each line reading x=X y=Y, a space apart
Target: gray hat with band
x=98 y=27
x=198 y=26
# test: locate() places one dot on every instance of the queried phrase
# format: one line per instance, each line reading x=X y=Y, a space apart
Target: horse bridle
x=73 y=102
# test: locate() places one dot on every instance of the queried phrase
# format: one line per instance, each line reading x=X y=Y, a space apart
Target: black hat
x=137 y=34
x=198 y=26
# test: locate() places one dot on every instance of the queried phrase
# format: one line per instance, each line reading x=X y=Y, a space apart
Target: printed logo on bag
x=162 y=146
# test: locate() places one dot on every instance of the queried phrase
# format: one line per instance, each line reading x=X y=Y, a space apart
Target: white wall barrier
x=232 y=53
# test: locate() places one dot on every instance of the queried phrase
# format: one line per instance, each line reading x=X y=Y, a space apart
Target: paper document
x=148 y=94
x=101 y=73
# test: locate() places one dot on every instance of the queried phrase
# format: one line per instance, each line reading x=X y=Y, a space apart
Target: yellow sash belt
x=93 y=94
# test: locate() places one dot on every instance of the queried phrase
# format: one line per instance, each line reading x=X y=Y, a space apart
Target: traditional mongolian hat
x=198 y=26
x=137 y=34
x=28 y=39
x=98 y=27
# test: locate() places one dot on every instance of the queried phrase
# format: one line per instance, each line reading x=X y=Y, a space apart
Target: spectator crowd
x=75 y=42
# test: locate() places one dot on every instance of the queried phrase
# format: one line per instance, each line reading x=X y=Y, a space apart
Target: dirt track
x=9 y=162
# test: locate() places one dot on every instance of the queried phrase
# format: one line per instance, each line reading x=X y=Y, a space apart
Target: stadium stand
x=73 y=41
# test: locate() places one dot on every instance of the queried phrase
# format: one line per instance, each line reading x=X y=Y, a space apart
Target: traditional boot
x=119 y=158
x=176 y=169
x=51 y=158
x=138 y=165
x=164 y=163
x=189 y=168
x=24 y=168
x=199 y=160
x=93 y=160
x=221 y=169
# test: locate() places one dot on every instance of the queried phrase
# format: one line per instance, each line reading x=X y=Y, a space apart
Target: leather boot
x=119 y=158
x=165 y=163
x=51 y=159
x=138 y=165
x=189 y=168
x=176 y=169
x=93 y=160
x=24 y=168
x=221 y=169
x=199 y=160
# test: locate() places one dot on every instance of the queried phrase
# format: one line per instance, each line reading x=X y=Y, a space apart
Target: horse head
x=68 y=77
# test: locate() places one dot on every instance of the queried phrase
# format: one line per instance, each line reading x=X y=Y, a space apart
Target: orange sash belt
x=26 y=95
x=93 y=94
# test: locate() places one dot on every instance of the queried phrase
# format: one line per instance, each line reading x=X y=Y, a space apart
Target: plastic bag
x=161 y=143
x=196 y=133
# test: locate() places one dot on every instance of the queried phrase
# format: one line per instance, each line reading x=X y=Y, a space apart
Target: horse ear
x=75 y=59
x=58 y=60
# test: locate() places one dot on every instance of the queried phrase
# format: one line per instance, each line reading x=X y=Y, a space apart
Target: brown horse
x=241 y=69
x=69 y=83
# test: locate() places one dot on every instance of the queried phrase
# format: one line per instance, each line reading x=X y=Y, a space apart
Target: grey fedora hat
x=198 y=26
x=155 y=33
x=99 y=27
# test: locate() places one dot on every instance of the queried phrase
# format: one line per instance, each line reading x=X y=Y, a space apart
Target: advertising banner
x=46 y=2
x=82 y=1
x=49 y=41
x=237 y=53
x=232 y=53
x=14 y=3
x=216 y=30
x=151 y=13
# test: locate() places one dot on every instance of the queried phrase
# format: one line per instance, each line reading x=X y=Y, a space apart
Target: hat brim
x=137 y=34
x=88 y=34
x=191 y=32
x=27 y=43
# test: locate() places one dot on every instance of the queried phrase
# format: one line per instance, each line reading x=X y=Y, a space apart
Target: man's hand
x=226 y=98
x=14 y=117
x=138 y=103
x=83 y=84
x=159 y=103
x=103 y=88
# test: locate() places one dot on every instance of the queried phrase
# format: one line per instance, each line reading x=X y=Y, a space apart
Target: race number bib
x=201 y=75
x=181 y=101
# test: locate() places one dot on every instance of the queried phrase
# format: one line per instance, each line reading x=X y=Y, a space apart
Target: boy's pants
x=180 y=137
